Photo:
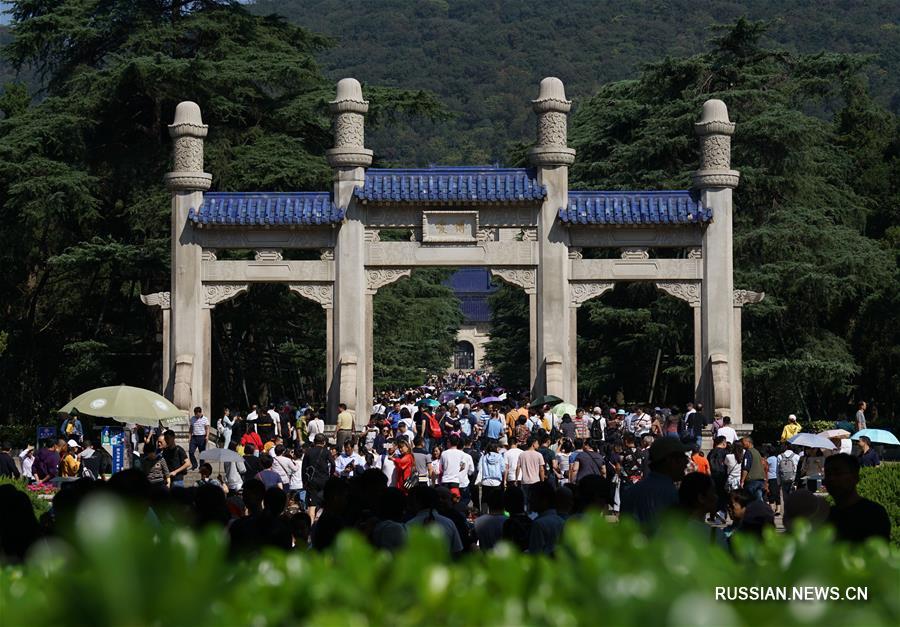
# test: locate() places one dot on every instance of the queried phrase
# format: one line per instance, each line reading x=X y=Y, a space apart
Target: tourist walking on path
x=787 y=472
x=854 y=518
x=226 y=427
x=791 y=429
x=176 y=459
x=861 y=416
x=868 y=458
x=199 y=428
x=345 y=427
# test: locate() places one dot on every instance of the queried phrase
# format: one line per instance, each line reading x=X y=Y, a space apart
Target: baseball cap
x=666 y=447
x=72 y=444
x=621 y=412
x=792 y=418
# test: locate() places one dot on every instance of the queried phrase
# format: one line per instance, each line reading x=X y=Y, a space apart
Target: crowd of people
x=478 y=467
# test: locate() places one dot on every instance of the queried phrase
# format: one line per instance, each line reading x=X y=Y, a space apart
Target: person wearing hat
x=657 y=493
x=791 y=429
x=69 y=464
x=71 y=428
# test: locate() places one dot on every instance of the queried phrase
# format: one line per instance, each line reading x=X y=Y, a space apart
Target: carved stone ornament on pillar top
x=715 y=131
x=747 y=297
x=635 y=253
x=188 y=131
x=322 y=293
x=326 y=254
x=582 y=291
x=349 y=111
x=157 y=299
x=524 y=278
x=551 y=107
x=376 y=279
x=220 y=292
x=688 y=291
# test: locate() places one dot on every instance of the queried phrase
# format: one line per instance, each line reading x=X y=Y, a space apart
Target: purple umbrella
x=491 y=399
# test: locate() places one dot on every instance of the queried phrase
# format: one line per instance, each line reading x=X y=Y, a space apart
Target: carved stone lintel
x=376 y=279
x=322 y=293
x=528 y=234
x=747 y=297
x=209 y=254
x=695 y=252
x=326 y=254
x=583 y=291
x=157 y=299
x=486 y=235
x=688 y=291
x=635 y=253
x=269 y=254
x=216 y=293
x=372 y=235
x=575 y=252
x=525 y=278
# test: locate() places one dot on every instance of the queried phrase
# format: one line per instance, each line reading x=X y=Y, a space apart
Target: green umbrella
x=564 y=408
x=549 y=399
x=124 y=403
x=430 y=402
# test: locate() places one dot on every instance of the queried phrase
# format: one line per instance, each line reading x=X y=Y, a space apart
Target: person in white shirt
x=283 y=465
x=348 y=463
x=454 y=465
x=727 y=431
x=511 y=459
x=234 y=472
x=26 y=458
x=199 y=428
x=386 y=463
x=314 y=426
x=252 y=417
x=226 y=426
x=276 y=418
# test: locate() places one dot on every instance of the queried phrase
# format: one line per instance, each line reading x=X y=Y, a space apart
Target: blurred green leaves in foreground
x=115 y=569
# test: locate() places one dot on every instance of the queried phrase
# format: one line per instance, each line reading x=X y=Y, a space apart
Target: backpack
x=716 y=459
x=597 y=430
x=787 y=467
x=434 y=426
x=315 y=473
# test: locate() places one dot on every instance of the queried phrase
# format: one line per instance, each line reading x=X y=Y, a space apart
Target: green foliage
x=801 y=219
x=86 y=216
x=415 y=322
x=882 y=485
x=485 y=59
x=670 y=578
x=507 y=350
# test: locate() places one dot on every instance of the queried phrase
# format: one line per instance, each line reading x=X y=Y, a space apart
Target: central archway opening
x=464 y=356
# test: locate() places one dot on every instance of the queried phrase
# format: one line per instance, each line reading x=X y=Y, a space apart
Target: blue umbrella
x=877 y=436
x=430 y=402
x=811 y=440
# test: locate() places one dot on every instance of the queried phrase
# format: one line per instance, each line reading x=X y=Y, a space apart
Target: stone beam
x=636 y=269
x=404 y=216
x=606 y=237
x=408 y=254
x=267 y=271
x=230 y=237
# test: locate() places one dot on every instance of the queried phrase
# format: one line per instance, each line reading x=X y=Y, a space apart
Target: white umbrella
x=220 y=455
x=127 y=404
x=811 y=440
x=835 y=434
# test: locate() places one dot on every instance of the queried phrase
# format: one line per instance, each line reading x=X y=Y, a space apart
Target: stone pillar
x=555 y=372
x=698 y=349
x=348 y=159
x=162 y=300
x=715 y=179
x=187 y=182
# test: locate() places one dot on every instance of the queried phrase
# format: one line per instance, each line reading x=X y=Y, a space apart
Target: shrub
x=610 y=574
x=882 y=485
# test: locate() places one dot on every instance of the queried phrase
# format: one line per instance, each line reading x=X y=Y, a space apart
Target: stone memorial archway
x=524 y=224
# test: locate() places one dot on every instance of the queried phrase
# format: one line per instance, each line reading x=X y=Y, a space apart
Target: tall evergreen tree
x=84 y=210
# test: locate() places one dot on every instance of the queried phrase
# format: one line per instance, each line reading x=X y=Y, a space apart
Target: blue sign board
x=45 y=433
x=118 y=457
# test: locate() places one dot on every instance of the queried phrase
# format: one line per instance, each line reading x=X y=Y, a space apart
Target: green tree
x=84 y=210
x=801 y=208
x=507 y=349
x=415 y=324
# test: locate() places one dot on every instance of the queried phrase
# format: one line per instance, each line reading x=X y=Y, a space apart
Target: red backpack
x=434 y=426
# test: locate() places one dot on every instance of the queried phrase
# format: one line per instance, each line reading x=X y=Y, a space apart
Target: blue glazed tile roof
x=635 y=208
x=448 y=184
x=475 y=310
x=266 y=208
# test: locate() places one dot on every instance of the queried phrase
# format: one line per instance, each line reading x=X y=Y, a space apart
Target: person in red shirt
x=252 y=437
x=700 y=462
x=404 y=464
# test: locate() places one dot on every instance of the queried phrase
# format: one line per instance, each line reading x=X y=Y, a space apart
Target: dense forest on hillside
x=85 y=214
x=484 y=59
